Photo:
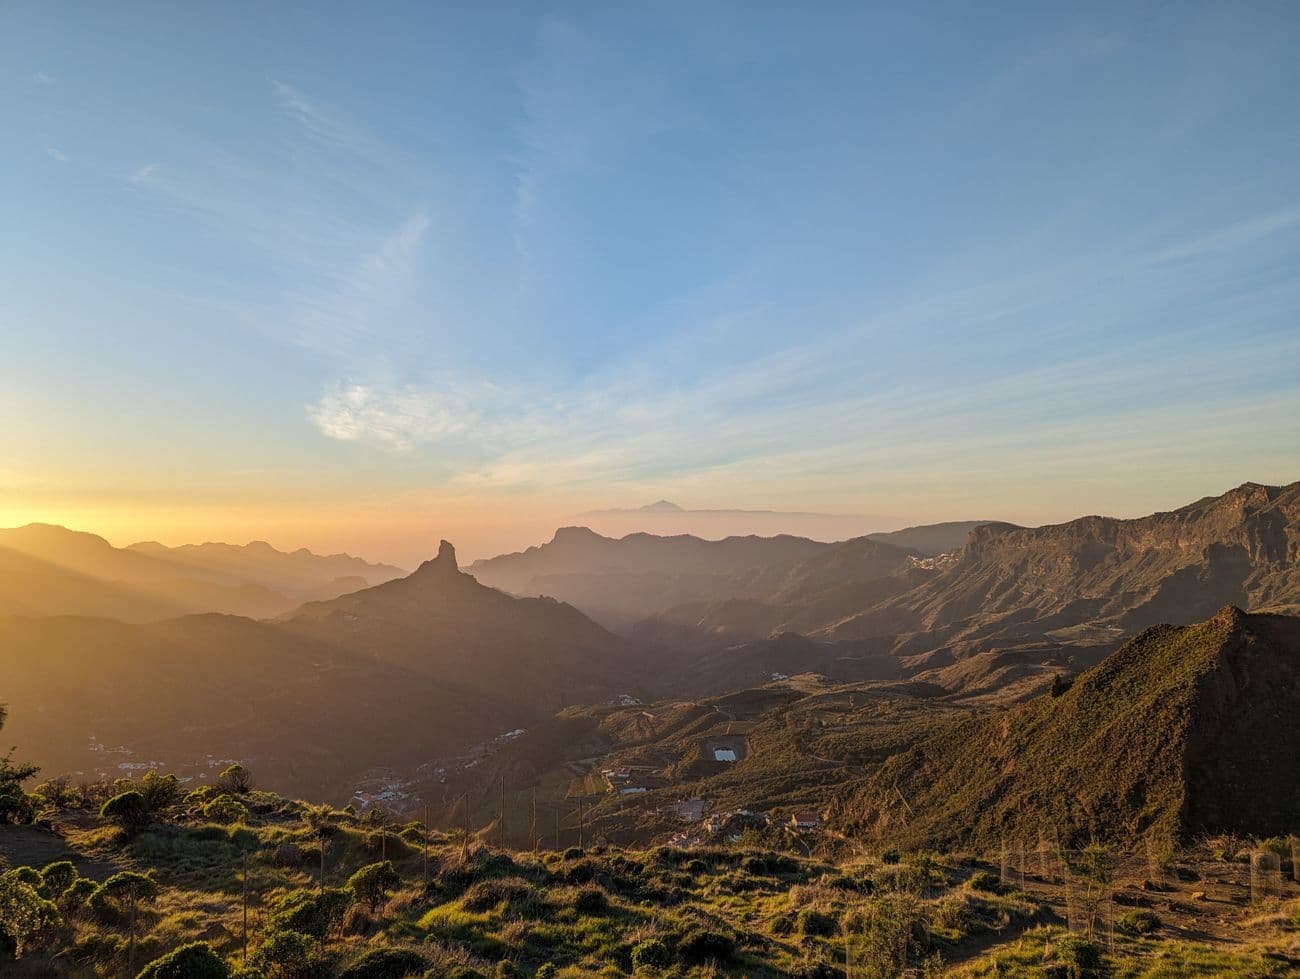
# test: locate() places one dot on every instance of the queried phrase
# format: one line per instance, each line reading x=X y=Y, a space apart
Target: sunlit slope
x=1186 y=730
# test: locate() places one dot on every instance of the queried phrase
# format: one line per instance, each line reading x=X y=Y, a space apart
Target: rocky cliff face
x=1106 y=574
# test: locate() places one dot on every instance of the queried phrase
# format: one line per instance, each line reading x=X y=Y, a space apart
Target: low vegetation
x=411 y=903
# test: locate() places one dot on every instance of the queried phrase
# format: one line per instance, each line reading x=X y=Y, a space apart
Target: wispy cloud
x=340 y=231
x=41 y=78
x=749 y=423
x=337 y=314
x=57 y=154
x=1241 y=234
x=320 y=121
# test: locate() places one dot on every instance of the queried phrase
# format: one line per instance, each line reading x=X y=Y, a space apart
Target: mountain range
x=399 y=670
x=50 y=570
x=385 y=677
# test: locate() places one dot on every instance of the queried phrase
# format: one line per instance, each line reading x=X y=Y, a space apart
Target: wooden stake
x=245 y=882
x=130 y=950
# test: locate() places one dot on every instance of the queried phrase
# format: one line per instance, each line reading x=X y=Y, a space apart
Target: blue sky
x=266 y=269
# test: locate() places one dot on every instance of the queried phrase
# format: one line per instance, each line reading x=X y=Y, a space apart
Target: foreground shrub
x=194 y=961
x=1138 y=922
x=284 y=955
x=25 y=917
x=386 y=963
x=591 y=900
x=485 y=895
x=57 y=878
x=702 y=945
x=372 y=884
x=982 y=880
x=651 y=954
x=111 y=899
x=952 y=915
x=816 y=923
x=128 y=810
x=77 y=894
x=310 y=912
x=1078 y=958
x=225 y=809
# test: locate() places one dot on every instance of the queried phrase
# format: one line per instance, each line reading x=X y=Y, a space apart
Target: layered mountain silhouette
x=1186 y=730
x=50 y=570
x=303 y=713
x=538 y=654
x=396 y=674
x=619 y=581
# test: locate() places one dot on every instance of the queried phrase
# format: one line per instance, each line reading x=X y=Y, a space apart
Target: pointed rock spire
x=444 y=564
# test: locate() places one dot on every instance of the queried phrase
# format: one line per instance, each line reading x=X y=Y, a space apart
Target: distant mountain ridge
x=536 y=653
x=50 y=570
x=1099 y=576
x=392 y=675
x=683 y=578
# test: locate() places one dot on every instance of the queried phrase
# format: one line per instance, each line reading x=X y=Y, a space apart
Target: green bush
x=1080 y=957
x=591 y=900
x=386 y=963
x=77 y=894
x=194 y=961
x=237 y=780
x=225 y=809
x=982 y=880
x=284 y=955
x=311 y=912
x=1138 y=922
x=161 y=793
x=111 y=899
x=952 y=915
x=701 y=945
x=26 y=875
x=485 y=895
x=25 y=917
x=372 y=884
x=816 y=923
x=651 y=954
x=57 y=878
x=128 y=810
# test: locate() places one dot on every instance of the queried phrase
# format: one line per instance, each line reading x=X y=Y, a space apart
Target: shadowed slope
x=536 y=652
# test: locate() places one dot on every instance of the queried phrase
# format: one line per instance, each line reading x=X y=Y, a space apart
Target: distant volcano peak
x=662 y=506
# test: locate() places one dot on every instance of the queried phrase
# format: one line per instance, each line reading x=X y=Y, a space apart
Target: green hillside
x=1184 y=731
